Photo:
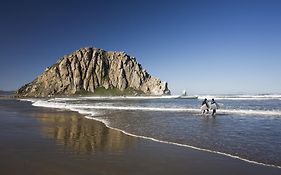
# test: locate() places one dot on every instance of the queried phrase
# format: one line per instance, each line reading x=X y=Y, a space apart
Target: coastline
x=73 y=144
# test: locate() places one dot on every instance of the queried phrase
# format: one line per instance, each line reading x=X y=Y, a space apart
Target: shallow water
x=245 y=126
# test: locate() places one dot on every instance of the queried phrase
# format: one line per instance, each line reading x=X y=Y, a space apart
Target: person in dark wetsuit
x=213 y=102
x=205 y=102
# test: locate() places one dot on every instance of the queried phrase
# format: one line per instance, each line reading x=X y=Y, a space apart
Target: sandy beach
x=140 y=87
x=38 y=140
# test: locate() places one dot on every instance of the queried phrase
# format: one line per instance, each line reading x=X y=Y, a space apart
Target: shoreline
x=89 y=116
x=186 y=160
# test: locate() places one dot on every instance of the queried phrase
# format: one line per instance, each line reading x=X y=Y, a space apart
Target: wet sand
x=49 y=141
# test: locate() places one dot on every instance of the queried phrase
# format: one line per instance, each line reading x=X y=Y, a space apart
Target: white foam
x=241 y=97
x=29 y=99
x=99 y=120
x=49 y=104
x=250 y=112
x=60 y=105
x=137 y=108
x=63 y=99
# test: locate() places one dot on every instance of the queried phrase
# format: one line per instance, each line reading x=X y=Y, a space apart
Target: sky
x=203 y=46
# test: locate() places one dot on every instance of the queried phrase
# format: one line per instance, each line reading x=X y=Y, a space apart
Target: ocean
x=246 y=127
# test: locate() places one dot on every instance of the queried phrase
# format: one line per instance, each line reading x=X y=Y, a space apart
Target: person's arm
x=218 y=106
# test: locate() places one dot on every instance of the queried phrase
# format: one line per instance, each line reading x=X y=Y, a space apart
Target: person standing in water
x=205 y=106
x=214 y=106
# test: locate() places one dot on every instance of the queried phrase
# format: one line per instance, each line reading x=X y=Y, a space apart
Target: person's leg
x=214 y=112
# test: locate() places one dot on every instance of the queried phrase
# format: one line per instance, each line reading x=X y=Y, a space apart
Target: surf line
x=138 y=108
x=179 y=144
x=58 y=104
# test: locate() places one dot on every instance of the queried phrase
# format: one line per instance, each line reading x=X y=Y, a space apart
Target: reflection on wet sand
x=83 y=135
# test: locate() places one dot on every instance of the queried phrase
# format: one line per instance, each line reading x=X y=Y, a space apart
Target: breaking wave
x=101 y=106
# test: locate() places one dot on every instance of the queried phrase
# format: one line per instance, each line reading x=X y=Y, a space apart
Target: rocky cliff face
x=88 y=69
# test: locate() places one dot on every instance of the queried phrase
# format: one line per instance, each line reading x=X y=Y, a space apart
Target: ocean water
x=246 y=127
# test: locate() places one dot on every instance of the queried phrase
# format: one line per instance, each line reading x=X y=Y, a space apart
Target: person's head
x=205 y=99
x=213 y=99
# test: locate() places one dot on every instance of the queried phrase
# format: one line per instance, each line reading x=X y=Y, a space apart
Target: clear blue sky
x=201 y=46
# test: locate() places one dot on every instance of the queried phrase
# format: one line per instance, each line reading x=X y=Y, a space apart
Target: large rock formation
x=88 y=69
